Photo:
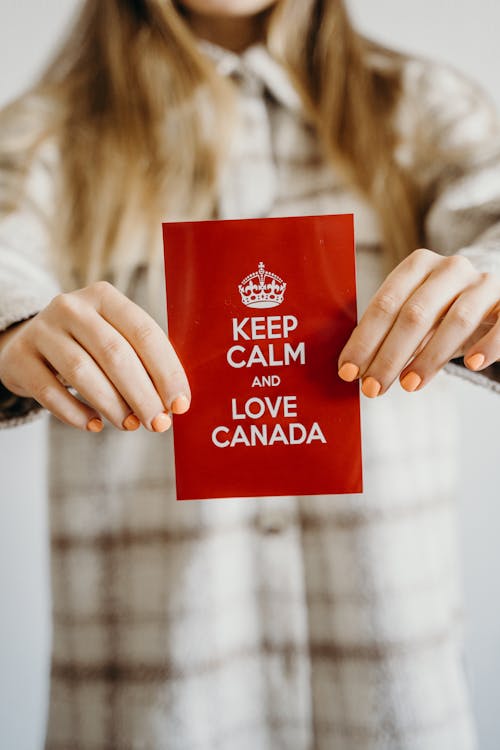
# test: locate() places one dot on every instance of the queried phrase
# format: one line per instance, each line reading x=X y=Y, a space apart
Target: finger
x=44 y=387
x=463 y=318
x=422 y=344
x=486 y=351
x=382 y=312
x=77 y=368
x=416 y=318
x=122 y=368
x=152 y=346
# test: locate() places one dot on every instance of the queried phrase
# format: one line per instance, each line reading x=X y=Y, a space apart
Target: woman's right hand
x=109 y=350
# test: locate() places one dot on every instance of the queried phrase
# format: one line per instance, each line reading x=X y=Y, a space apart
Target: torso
x=261 y=623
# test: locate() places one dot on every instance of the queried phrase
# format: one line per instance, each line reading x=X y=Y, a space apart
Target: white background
x=464 y=32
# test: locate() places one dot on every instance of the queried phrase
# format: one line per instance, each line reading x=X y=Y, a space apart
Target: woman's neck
x=235 y=33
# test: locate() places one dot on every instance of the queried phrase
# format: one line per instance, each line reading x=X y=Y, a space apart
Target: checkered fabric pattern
x=332 y=623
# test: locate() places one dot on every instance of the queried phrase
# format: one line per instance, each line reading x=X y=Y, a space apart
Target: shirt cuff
x=16 y=410
x=488 y=378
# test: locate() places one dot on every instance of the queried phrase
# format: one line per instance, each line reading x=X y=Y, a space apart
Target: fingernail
x=371 y=387
x=348 y=372
x=131 y=422
x=161 y=422
x=411 y=381
x=94 y=425
x=475 y=361
x=180 y=404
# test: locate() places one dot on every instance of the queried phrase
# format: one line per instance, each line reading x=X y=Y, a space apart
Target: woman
x=294 y=622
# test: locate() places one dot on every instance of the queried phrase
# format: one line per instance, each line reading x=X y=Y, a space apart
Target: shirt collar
x=255 y=63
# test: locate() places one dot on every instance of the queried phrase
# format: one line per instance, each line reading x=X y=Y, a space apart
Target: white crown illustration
x=262 y=289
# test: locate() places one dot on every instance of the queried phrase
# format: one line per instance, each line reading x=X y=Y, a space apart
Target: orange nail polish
x=180 y=405
x=94 y=425
x=131 y=422
x=475 y=361
x=371 y=387
x=348 y=372
x=161 y=422
x=410 y=382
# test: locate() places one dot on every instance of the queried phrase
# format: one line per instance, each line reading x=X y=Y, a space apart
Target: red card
x=258 y=311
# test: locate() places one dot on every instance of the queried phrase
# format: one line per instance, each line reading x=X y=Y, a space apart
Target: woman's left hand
x=430 y=309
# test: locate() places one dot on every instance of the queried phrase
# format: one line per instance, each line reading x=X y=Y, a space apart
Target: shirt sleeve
x=27 y=278
x=458 y=167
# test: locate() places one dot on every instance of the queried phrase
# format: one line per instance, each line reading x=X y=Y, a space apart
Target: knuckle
x=361 y=350
x=66 y=303
x=421 y=253
x=74 y=368
x=102 y=286
x=386 y=363
x=45 y=393
x=143 y=333
x=386 y=304
x=458 y=263
x=57 y=300
x=414 y=314
x=112 y=350
x=462 y=316
x=418 y=259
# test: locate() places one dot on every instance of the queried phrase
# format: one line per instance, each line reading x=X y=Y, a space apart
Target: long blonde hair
x=138 y=114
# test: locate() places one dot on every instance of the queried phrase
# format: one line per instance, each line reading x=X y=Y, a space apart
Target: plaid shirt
x=294 y=622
